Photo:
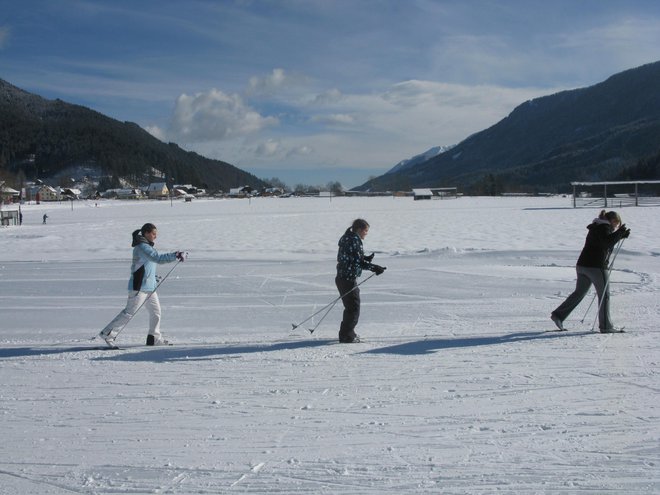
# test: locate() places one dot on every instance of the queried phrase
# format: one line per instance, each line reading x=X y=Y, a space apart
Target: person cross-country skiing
x=142 y=286
x=604 y=232
x=350 y=263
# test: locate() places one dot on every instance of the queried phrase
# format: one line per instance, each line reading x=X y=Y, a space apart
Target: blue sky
x=313 y=91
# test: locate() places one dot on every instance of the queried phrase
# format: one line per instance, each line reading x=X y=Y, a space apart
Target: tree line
x=332 y=186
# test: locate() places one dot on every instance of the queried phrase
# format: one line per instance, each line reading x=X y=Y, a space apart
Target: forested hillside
x=40 y=137
x=585 y=134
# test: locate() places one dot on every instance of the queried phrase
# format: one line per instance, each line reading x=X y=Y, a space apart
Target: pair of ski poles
x=328 y=307
x=607 y=283
x=149 y=296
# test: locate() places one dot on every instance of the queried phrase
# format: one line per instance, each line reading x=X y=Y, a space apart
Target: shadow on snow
x=10 y=352
x=209 y=351
x=189 y=352
x=428 y=346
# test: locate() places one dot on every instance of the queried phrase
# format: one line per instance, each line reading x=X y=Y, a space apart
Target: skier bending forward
x=350 y=262
x=592 y=268
x=142 y=286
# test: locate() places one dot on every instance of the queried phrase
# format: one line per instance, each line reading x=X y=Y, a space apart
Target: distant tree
x=489 y=185
x=275 y=182
x=66 y=182
x=645 y=169
x=109 y=183
x=334 y=187
x=306 y=189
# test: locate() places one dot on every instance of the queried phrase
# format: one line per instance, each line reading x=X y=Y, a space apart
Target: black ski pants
x=351 y=301
x=586 y=276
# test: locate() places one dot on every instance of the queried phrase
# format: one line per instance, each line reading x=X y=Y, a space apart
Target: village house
x=157 y=190
x=240 y=192
x=273 y=191
x=7 y=194
x=189 y=189
x=9 y=215
x=71 y=193
x=47 y=193
x=125 y=193
x=419 y=194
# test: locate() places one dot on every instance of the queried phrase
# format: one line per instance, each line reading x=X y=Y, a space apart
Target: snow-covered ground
x=460 y=387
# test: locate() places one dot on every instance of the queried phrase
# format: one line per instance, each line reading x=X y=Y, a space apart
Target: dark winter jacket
x=350 y=257
x=145 y=260
x=599 y=243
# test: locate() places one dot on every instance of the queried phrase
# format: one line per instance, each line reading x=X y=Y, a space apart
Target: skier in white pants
x=142 y=286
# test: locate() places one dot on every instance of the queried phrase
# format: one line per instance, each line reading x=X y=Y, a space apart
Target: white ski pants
x=135 y=300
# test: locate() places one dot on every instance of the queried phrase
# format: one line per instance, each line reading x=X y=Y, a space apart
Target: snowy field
x=461 y=386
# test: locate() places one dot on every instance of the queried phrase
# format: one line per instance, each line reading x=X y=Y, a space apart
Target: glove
x=369 y=258
x=379 y=269
x=181 y=256
x=625 y=231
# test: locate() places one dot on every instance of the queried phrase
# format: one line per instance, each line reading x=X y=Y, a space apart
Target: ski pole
x=332 y=303
x=608 y=278
x=148 y=297
x=607 y=283
x=311 y=330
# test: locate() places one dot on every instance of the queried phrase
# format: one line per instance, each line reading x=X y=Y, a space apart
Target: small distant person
x=45 y=217
x=142 y=286
x=20 y=218
x=350 y=263
x=592 y=268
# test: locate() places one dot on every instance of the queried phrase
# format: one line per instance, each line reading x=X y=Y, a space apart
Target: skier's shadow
x=428 y=346
x=12 y=352
x=209 y=351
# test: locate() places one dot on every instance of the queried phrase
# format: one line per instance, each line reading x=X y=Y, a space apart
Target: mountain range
x=422 y=157
x=595 y=133
x=41 y=137
x=585 y=134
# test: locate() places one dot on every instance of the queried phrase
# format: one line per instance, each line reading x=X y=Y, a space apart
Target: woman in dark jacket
x=350 y=263
x=592 y=268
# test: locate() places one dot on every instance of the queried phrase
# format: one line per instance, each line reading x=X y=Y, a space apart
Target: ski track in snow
x=460 y=386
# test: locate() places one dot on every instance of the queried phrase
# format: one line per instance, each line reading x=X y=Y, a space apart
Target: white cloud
x=214 y=115
x=275 y=148
x=405 y=119
x=330 y=96
x=156 y=132
x=414 y=115
x=628 y=42
x=625 y=33
x=331 y=128
x=268 y=148
x=303 y=150
x=278 y=80
x=334 y=119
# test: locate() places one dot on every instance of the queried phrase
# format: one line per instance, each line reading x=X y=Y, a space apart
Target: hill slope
x=58 y=134
x=417 y=159
x=584 y=134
